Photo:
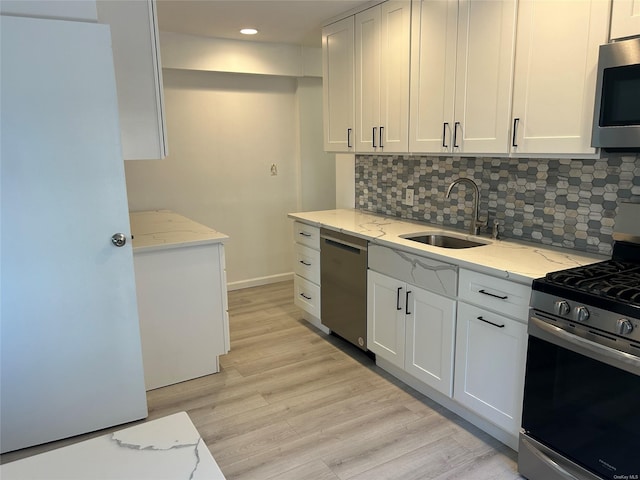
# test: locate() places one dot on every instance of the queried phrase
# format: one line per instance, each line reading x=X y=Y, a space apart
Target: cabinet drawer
x=307 y=263
x=307 y=235
x=498 y=294
x=306 y=295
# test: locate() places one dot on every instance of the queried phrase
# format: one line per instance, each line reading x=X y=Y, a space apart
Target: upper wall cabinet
x=625 y=19
x=462 y=65
x=382 y=43
x=136 y=53
x=555 y=75
x=338 y=64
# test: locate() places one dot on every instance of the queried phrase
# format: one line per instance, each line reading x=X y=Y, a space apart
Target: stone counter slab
x=518 y=261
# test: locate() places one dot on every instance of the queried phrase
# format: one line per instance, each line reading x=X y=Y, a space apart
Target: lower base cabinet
x=183 y=310
x=490 y=359
x=412 y=328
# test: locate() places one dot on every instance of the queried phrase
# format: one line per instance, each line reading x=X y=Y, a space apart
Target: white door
x=553 y=113
x=483 y=77
x=433 y=68
x=625 y=18
x=490 y=361
x=338 y=64
x=395 y=39
x=431 y=322
x=386 y=317
x=71 y=355
x=368 y=80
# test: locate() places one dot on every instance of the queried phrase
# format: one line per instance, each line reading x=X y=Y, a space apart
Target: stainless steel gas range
x=581 y=411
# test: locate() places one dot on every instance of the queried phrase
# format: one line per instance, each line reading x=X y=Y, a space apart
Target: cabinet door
x=484 y=71
x=136 y=56
x=338 y=85
x=395 y=27
x=367 y=80
x=625 y=18
x=555 y=74
x=386 y=317
x=433 y=61
x=430 y=338
x=490 y=362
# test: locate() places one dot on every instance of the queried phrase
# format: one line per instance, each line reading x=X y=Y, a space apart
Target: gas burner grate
x=611 y=279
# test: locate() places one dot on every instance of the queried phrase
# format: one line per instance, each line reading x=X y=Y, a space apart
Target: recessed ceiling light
x=249 y=31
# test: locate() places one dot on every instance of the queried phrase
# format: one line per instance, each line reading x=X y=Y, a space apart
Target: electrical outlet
x=408 y=197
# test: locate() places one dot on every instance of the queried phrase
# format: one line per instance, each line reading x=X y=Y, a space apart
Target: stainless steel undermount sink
x=443 y=241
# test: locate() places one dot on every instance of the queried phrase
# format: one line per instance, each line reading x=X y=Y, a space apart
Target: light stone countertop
x=167 y=448
x=162 y=229
x=518 y=261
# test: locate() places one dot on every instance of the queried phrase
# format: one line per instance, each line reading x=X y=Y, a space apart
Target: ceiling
x=296 y=22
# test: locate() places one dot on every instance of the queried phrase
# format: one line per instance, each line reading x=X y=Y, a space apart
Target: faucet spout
x=476 y=223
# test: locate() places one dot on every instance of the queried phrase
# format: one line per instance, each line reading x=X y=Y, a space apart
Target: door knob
x=119 y=239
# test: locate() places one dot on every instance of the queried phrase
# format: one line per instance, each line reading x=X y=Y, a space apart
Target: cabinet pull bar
x=516 y=121
x=445 y=125
x=455 y=134
x=501 y=297
x=305 y=263
x=304 y=296
x=406 y=303
x=398 y=307
x=349 y=138
x=381 y=136
x=491 y=323
x=304 y=234
x=373 y=137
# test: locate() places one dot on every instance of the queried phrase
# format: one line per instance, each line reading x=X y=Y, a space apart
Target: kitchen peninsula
x=182 y=296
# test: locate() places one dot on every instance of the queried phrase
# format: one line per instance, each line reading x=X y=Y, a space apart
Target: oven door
x=582 y=403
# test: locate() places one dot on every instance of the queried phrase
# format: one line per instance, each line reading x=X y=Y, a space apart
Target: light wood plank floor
x=294 y=403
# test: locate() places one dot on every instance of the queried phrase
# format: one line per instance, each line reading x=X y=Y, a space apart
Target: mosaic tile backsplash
x=568 y=203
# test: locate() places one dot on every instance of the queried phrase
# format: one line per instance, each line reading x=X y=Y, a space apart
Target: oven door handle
x=553 y=467
x=545 y=331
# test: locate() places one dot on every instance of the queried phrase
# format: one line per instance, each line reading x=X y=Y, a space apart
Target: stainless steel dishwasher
x=343 y=285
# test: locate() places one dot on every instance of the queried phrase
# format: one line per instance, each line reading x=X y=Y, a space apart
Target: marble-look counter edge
x=154 y=230
x=528 y=263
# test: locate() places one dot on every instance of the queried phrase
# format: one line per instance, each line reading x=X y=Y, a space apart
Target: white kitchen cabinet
x=555 y=75
x=382 y=40
x=430 y=338
x=338 y=82
x=136 y=55
x=490 y=361
x=625 y=19
x=306 y=279
x=409 y=326
x=181 y=288
x=386 y=323
x=491 y=346
x=461 y=76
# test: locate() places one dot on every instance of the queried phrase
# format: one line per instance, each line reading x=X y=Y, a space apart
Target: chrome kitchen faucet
x=476 y=223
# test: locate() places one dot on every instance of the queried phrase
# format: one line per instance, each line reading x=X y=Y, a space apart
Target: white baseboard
x=256 y=282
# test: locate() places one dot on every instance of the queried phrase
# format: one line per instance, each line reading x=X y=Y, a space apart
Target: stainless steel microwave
x=616 y=117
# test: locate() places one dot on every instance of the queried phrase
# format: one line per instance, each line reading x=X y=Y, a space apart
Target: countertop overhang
x=518 y=261
x=163 y=229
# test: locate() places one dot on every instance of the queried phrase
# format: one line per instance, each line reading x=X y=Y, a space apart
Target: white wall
x=345 y=180
x=225 y=130
x=317 y=168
